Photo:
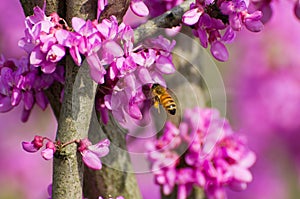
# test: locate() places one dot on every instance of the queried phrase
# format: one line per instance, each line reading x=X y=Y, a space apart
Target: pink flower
x=101 y=6
x=49 y=151
x=209 y=19
x=22 y=82
x=139 y=8
x=40 y=41
x=91 y=154
x=131 y=69
x=214 y=156
x=34 y=145
x=192 y=16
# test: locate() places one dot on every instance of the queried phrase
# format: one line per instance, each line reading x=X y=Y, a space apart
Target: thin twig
x=169 y=19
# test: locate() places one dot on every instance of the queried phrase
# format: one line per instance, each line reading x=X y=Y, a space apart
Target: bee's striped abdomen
x=168 y=103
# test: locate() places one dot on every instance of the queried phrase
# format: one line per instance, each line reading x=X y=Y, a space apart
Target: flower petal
x=97 y=71
x=16 y=96
x=41 y=100
x=5 y=104
x=91 y=160
x=77 y=23
x=165 y=65
x=29 y=147
x=192 y=16
x=36 y=56
x=254 y=25
x=241 y=174
x=101 y=148
x=139 y=8
x=219 y=51
x=56 y=53
x=47 y=154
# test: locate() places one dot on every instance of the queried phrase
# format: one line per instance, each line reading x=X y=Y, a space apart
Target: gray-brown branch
x=169 y=19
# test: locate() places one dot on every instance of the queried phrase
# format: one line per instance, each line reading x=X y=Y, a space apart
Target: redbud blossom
x=41 y=42
x=212 y=21
x=214 y=157
x=91 y=154
x=49 y=151
x=101 y=6
x=122 y=92
x=139 y=8
x=34 y=145
x=22 y=82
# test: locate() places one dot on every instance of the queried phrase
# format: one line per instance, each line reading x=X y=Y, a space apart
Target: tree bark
x=51 y=6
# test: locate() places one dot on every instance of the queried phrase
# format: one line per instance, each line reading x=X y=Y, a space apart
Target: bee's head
x=155 y=85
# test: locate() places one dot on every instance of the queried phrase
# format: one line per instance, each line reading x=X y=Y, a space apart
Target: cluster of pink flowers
x=26 y=79
x=122 y=93
x=22 y=82
x=41 y=40
x=214 y=22
x=90 y=153
x=203 y=151
x=114 y=63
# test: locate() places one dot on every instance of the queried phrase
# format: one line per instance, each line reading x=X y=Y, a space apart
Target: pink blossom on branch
x=34 y=145
x=91 y=154
x=48 y=153
x=41 y=42
x=122 y=94
x=22 y=82
x=139 y=8
x=215 y=23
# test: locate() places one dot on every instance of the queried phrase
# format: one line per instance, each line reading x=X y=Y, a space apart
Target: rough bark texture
x=115 y=7
x=54 y=94
x=51 y=6
x=75 y=115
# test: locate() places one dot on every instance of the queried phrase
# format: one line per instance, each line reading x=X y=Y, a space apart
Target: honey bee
x=161 y=96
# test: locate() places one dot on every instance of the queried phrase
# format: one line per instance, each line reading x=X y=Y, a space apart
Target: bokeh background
x=262 y=79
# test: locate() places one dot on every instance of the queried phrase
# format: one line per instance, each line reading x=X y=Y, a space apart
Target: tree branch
x=75 y=115
x=117 y=8
x=51 y=6
x=169 y=19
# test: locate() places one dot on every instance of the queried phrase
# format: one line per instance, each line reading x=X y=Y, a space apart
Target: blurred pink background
x=263 y=86
x=22 y=175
